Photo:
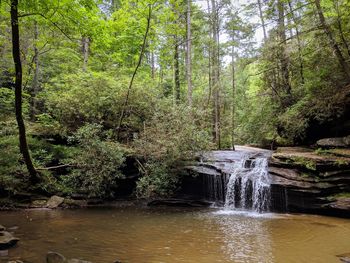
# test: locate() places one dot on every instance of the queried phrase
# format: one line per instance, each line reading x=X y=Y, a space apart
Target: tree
x=215 y=73
x=332 y=41
x=188 y=55
x=23 y=145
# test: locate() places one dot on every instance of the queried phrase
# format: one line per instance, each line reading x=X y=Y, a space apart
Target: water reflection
x=177 y=235
x=246 y=236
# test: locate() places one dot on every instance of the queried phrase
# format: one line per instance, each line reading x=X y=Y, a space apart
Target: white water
x=248 y=187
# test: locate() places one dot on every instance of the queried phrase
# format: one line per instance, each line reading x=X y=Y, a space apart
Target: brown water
x=177 y=235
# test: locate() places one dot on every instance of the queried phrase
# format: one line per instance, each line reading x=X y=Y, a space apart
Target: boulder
x=54 y=257
x=2 y=228
x=7 y=240
x=342 y=142
x=54 y=202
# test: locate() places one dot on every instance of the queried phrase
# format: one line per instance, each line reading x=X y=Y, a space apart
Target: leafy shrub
x=97 y=162
x=157 y=181
x=173 y=135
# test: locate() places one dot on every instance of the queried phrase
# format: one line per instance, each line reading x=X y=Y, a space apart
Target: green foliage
x=173 y=135
x=96 y=164
x=157 y=181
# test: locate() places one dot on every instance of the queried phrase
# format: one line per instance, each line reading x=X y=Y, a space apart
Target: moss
x=304 y=162
x=341 y=162
x=337 y=152
x=339 y=196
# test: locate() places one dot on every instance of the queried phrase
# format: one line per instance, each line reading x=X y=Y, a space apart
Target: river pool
x=136 y=234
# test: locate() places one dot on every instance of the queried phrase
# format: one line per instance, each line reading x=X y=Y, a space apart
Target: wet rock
x=344 y=257
x=2 y=228
x=54 y=202
x=16 y=261
x=4 y=253
x=94 y=201
x=341 y=142
x=7 y=240
x=72 y=203
x=179 y=203
x=54 y=257
x=74 y=260
x=38 y=203
x=341 y=204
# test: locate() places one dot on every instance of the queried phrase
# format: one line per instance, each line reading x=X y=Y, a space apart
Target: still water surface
x=177 y=235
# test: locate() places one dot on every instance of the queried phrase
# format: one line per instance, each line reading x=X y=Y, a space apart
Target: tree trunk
x=188 y=55
x=153 y=68
x=215 y=75
x=262 y=20
x=233 y=95
x=283 y=56
x=176 y=72
x=35 y=85
x=340 y=27
x=209 y=56
x=122 y=114
x=333 y=43
x=85 y=47
x=300 y=54
x=18 y=93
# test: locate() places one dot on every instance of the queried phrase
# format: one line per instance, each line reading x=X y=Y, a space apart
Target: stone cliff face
x=304 y=180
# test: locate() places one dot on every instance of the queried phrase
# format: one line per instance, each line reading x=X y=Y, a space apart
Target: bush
x=172 y=136
x=96 y=164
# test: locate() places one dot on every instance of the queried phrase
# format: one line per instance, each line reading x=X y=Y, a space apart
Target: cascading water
x=249 y=186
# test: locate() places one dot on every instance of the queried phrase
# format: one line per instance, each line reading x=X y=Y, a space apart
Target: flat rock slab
x=342 y=142
x=54 y=202
x=7 y=240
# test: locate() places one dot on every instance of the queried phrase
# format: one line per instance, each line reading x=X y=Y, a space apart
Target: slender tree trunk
x=85 y=47
x=340 y=27
x=209 y=56
x=18 y=93
x=233 y=94
x=176 y=72
x=262 y=20
x=188 y=56
x=332 y=41
x=215 y=74
x=300 y=54
x=35 y=85
x=153 y=68
x=122 y=114
x=283 y=56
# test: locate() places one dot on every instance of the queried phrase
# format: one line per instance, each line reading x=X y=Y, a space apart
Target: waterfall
x=248 y=187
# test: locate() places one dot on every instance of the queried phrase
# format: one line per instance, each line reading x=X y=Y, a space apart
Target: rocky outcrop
x=54 y=202
x=304 y=180
x=342 y=142
x=7 y=240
